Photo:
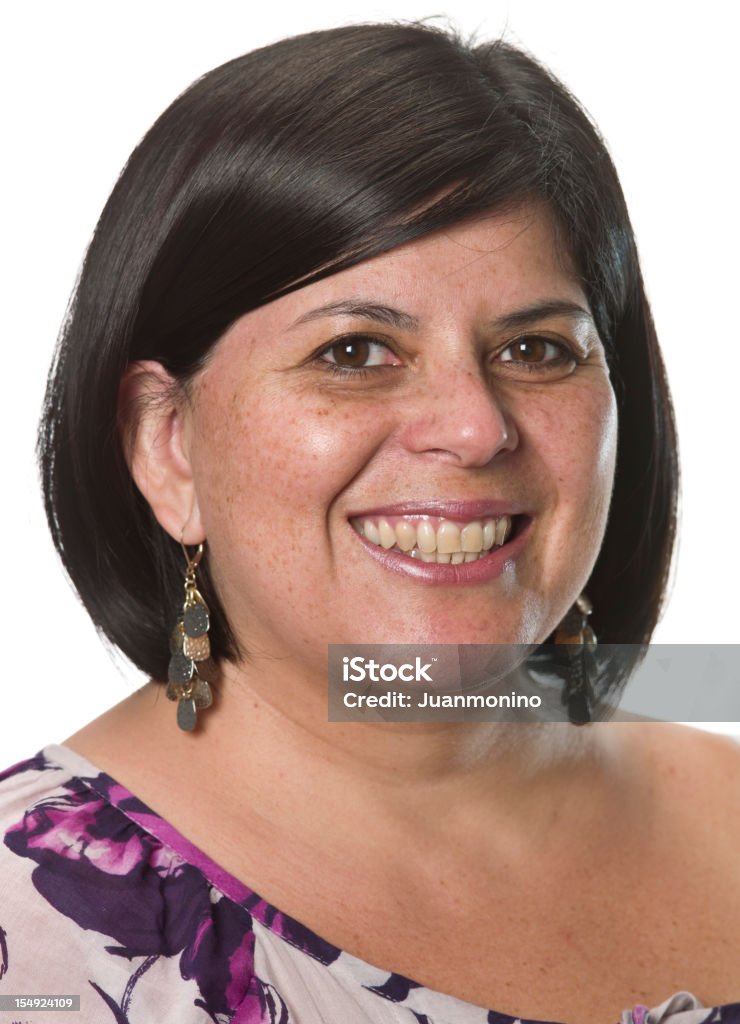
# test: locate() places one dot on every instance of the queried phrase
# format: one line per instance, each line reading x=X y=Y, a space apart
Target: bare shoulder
x=693 y=747
x=697 y=775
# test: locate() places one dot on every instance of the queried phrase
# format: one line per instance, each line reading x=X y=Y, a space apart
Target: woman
x=358 y=298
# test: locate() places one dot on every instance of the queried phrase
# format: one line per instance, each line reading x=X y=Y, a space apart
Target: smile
x=434 y=539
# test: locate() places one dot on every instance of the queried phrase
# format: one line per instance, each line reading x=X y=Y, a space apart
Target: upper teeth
x=445 y=542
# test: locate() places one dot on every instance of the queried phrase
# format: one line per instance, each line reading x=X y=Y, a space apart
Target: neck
x=268 y=731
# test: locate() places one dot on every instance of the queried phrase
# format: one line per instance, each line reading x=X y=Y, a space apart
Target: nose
x=459 y=416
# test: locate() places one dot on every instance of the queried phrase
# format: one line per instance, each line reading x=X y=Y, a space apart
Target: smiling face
x=459 y=378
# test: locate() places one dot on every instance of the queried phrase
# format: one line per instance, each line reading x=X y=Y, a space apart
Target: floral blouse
x=103 y=899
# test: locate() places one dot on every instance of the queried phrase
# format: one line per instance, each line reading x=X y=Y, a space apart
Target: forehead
x=507 y=253
x=489 y=265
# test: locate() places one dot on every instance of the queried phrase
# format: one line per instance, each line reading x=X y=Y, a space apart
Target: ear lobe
x=153 y=416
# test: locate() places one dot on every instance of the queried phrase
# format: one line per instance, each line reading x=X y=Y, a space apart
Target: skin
x=265 y=458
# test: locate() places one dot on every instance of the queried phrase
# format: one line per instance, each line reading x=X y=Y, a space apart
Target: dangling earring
x=191 y=669
x=576 y=641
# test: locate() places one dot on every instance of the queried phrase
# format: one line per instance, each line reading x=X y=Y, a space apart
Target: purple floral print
x=100 y=869
x=151 y=911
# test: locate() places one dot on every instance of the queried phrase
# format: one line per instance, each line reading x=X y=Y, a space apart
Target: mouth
x=438 y=539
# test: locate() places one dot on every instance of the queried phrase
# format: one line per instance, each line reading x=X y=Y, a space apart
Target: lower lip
x=480 y=571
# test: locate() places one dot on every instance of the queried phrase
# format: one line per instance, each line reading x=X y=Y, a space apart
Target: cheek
x=571 y=440
x=605 y=435
x=281 y=458
x=269 y=471
x=578 y=440
x=601 y=430
x=574 y=446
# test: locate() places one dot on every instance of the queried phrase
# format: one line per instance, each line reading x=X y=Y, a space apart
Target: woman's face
x=454 y=381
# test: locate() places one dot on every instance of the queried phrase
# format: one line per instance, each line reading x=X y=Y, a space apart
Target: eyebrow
x=542 y=310
x=364 y=310
x=524 y=317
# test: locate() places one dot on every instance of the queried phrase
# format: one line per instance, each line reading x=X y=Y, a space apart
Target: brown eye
x=356 y=354
x=533 y=356
x=350 y=352
x=532 y=350
x=536 y=351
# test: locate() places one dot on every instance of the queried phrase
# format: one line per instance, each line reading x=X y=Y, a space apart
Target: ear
x=154 y=420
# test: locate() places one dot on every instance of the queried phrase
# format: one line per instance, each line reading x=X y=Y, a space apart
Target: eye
x=532 y=349
x=354 y=355
x=533 y=353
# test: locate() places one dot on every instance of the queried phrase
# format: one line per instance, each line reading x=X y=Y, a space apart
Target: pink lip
x=483 y=569
x=448 y=509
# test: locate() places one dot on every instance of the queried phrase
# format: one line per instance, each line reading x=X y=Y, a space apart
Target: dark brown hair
x=289 y=164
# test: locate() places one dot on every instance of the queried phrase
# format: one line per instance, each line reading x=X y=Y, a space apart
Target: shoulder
x=674 y=747
x=696 y=775
x=80 y=873
x=685 y=869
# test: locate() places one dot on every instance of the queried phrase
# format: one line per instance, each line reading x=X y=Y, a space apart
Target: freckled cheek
x=272 y=462
x=577 y=439
x=602 y=415
x=594 y=447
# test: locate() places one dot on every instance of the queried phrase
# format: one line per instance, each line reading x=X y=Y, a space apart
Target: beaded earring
x=576 y=641
x=191 y=669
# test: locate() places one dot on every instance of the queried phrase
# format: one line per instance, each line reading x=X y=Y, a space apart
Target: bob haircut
x=289 y=164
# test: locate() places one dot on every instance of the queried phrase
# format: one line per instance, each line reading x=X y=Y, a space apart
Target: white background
x=82 y=82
